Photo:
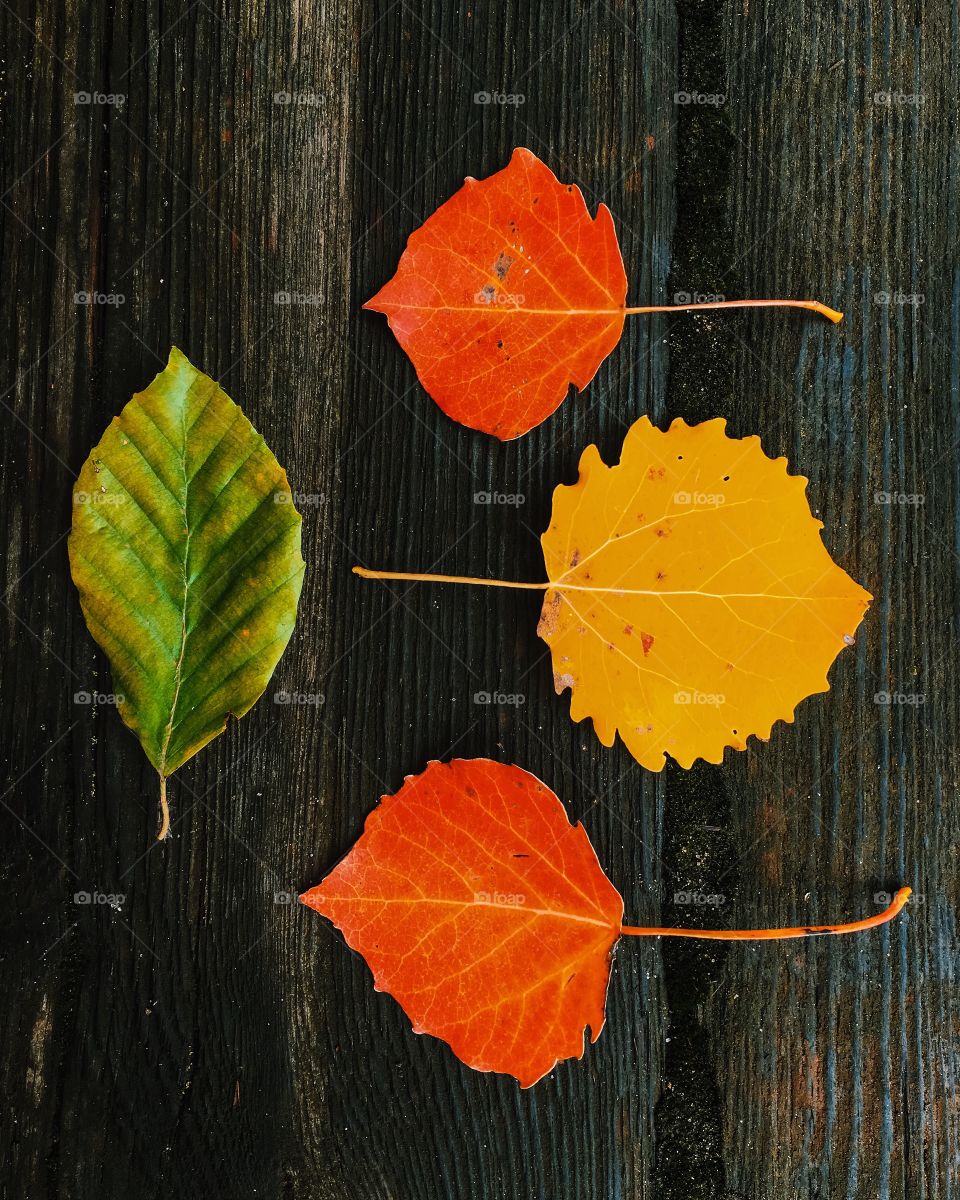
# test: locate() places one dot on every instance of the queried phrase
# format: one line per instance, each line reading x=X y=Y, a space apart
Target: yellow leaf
x=692 y=602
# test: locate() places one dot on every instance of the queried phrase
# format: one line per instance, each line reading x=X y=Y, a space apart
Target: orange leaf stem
x=811 y=305
x=413 y=577
x=771 y=935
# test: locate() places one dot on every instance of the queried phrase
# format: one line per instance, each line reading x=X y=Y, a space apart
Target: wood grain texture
x=258 y=183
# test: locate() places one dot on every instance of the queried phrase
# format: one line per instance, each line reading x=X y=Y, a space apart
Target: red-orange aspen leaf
x=510 y=292
x=485 y=914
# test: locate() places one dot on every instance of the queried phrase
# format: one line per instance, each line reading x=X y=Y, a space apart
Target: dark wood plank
x=150 y=1049
x=837 y=1062
x=415 y=1122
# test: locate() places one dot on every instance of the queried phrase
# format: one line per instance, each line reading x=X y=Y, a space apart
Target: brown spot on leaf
x=502 y=266
x=549 y=616
x=646 y=640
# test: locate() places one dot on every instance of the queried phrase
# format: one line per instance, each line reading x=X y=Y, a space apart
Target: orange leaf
x=484 y=912
x=506 y=295
x=510 y=292
x=692 y=602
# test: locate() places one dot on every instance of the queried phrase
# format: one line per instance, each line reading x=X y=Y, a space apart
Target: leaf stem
x=811 y=305
x=413 y=577
x=771 y=935
x=164 y=811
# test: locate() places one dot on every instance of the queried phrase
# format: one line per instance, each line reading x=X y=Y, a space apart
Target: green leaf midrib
x=184 y=508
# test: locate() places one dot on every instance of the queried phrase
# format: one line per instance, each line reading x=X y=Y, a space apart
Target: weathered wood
x=838 y=1065
x=211 y=1039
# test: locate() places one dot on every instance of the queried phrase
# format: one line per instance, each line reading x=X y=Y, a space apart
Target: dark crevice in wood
x=697 y=848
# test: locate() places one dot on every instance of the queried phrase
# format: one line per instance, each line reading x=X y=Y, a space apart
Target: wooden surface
x=206 y=1038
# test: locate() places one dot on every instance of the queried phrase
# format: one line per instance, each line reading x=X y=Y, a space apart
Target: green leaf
x=185 y=549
